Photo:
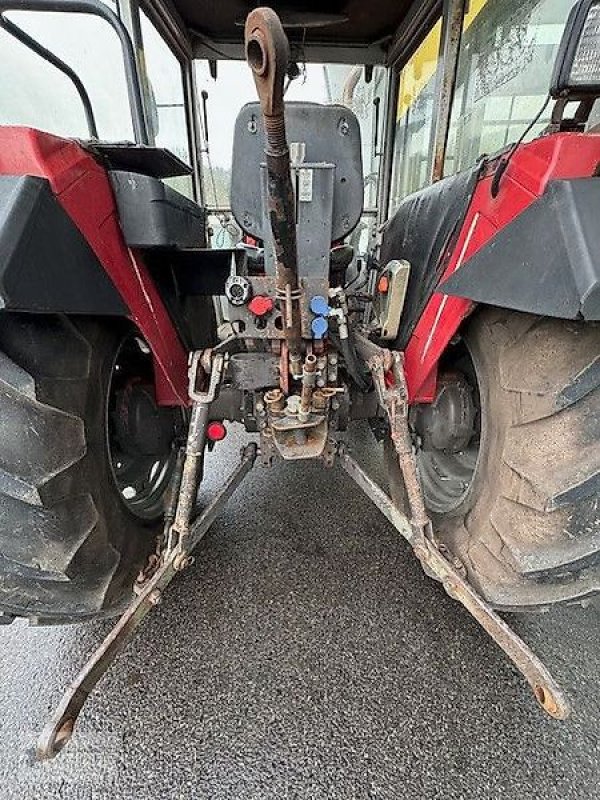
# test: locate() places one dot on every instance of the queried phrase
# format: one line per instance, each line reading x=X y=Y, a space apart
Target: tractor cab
x=293 y=219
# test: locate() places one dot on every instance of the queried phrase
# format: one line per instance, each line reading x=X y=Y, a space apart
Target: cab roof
x=353 y=31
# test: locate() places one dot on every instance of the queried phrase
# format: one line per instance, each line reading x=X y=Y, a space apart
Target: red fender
x=83 y=189
x=560 y=155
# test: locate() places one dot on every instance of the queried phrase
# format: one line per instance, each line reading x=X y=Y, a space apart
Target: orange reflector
x=383 y=284
x=216 y=431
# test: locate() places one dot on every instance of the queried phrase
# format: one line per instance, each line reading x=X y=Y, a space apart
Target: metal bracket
x=181 y=535
x=418 y=533
x=59 y=728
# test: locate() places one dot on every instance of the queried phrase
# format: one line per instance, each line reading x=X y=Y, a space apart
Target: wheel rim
x=141 y=476
x=447 y=478
x=447 y=474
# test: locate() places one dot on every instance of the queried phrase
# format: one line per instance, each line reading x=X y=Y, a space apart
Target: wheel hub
x=447 y=424
x=141 y=426
x=139 y=432
x=447 y=433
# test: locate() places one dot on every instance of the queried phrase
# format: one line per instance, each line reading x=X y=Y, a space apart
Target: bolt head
x=155 y=597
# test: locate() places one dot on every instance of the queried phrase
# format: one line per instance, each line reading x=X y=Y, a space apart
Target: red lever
x=260 y=305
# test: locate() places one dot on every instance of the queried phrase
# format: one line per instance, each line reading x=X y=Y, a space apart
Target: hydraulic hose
x=355 y=366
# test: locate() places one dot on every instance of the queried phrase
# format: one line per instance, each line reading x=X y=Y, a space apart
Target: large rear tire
x=77 y=519
x=527 y=523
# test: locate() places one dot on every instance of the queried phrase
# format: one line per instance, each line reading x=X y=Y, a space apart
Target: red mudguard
x=560 y=155
x=82 y=188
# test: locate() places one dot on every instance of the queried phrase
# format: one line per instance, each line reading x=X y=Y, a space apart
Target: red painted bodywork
x=82 y=188
x=560 y=155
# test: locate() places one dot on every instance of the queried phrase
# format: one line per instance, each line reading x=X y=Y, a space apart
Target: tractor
x=420 y=253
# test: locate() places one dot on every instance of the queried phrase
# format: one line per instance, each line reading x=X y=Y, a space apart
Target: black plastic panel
x=421 y=231
x=153 y=214
x=46 y=265
x=155 y=161
x=198 y=272
x=546 y=261
x=331 y=135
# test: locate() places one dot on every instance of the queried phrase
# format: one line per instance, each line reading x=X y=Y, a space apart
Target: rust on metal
x=275 y=401
x=196 y=439
x=545 y=688
x=284 y=369
x=182 y=534
x=451 y=35
x=394 y=400
x=308 y=383
x=267 y=54
x=59 y=728
x=418 y=532
x=164 y=540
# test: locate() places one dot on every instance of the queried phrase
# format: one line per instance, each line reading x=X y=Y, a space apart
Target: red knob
x=260 y=305
x=216 y=431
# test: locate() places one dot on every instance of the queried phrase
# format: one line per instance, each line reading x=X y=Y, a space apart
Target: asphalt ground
x=304 y=655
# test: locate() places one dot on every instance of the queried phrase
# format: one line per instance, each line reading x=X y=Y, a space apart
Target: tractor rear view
x=466 y=331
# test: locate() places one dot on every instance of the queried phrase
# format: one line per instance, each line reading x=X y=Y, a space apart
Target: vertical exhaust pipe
x=267 y=54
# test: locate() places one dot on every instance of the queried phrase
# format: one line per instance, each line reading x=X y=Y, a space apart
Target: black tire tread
x=62 y=558
x=532 y=539
x=529 y=535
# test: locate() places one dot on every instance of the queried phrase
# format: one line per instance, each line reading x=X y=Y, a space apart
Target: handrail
x=28 y=41
x=99 y=9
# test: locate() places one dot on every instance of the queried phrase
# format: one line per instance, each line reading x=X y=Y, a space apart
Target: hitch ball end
x=267 y=54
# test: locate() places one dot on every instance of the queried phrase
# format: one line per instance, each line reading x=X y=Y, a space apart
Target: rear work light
x=576 y=72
